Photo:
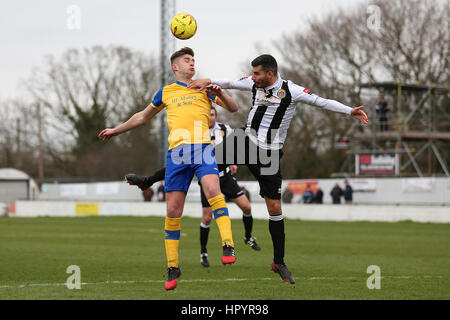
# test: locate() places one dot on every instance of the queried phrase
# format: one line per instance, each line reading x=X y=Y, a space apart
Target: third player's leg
x=204 y=235
x=243 y=203
x=206 y=216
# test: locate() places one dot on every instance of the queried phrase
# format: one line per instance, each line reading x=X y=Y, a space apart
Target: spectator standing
x=348 y=193
x=287 y=196
x=318 y=197
x=382 y=109
x=336 y=193
x=161 y=193
x=308 y=195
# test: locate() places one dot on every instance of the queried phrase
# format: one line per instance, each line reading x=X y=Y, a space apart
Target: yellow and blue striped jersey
x=187 y=113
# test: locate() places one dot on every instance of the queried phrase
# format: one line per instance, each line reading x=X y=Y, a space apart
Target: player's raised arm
x=199 y=84
x=138 y=119
x=244 y=84
x=301 y=94
x=223 y=99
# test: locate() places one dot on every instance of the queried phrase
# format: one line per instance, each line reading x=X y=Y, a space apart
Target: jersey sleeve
x=243 y=84
x=157 y=102
x=229 y=130
x=301 y=94
x=212 y=98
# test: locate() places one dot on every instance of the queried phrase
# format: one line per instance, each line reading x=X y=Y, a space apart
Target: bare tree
x=413 y=40
x=86 y=90
x=18 y=139
x=409 y=44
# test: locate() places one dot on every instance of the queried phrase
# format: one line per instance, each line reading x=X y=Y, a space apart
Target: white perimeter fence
x=326 y=212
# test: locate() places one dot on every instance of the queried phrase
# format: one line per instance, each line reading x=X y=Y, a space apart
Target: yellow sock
x=172 y=240
x=220 y=211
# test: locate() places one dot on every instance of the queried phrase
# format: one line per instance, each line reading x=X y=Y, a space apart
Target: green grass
x=328 y=260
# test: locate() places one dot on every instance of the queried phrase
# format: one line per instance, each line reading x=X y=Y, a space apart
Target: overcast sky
x=227 y=30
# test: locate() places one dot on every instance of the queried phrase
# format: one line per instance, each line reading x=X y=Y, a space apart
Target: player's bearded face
x=261 y=78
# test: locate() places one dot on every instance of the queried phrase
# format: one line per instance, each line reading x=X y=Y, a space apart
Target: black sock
x=158 y=176
x=248 y=225
x=204 y=232
x=276 y=229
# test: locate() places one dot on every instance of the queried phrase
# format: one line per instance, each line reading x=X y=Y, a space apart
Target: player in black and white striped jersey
x=274 y=104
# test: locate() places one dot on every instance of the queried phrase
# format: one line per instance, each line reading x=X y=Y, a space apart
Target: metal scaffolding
x=416 y=132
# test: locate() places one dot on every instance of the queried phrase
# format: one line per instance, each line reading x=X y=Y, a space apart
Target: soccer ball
x=183 y=26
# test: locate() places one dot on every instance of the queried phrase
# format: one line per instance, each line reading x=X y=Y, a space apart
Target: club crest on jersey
x=281 y=93
x=307 y=91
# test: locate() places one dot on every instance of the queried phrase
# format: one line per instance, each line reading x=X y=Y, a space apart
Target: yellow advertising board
x=88 y=209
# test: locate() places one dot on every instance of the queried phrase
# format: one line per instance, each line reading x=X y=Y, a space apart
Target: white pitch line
x=210 y=280
x=125 y=282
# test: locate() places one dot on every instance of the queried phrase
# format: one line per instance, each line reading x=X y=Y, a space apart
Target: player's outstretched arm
x=301 y=94
x=223 y=99
x=243 y=84
x=199 y=84
x=138 y=119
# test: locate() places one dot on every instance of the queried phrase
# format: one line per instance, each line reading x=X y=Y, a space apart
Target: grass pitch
x=124 y=258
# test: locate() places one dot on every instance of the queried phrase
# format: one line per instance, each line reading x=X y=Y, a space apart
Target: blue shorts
x=185 y=160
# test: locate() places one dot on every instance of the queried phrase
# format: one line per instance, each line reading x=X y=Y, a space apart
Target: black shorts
x=228 y=186
x=249 y=154
x=269 y=185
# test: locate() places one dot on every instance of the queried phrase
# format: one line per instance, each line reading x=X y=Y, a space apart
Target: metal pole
x=356 y=164
x=167 y=11
x=18 y=140
x=397 y=164
x=441 y=161
x=411 y=157
x=41 y=147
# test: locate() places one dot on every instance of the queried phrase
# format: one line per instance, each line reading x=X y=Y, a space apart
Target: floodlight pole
x=167 y=45
x=41 y=147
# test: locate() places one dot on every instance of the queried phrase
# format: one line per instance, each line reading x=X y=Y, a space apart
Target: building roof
x=13 y=174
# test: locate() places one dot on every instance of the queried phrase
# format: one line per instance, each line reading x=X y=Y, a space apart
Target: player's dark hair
x=180 y=53
x=267 y=62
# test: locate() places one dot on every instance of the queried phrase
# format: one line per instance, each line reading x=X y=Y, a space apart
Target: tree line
x=70 y=98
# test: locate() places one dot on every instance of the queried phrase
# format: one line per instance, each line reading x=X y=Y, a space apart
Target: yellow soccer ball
x=183 y=26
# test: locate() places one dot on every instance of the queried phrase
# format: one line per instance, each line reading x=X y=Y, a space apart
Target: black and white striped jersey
x=219 y=132
x=274 y=106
